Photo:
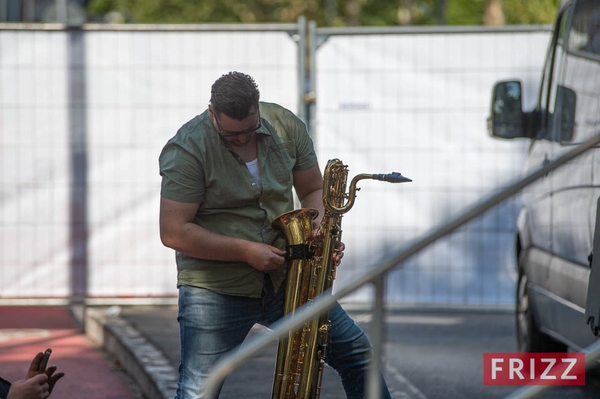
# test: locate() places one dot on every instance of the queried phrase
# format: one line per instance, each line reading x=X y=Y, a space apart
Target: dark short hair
x=234 y=94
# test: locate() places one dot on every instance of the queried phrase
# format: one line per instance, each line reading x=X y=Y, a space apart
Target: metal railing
x=376 y=276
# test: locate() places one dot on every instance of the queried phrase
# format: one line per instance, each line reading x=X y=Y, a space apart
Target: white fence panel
x=417 y=104
x=143 y=87
x=34 y=165
x=106 y=102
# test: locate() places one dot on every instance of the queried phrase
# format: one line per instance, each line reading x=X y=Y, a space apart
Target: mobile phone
x=44 y=361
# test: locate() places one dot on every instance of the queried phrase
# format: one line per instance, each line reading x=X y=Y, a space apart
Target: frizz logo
x=534 y=369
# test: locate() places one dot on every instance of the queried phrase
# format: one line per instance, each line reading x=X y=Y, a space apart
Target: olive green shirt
x=197 y=167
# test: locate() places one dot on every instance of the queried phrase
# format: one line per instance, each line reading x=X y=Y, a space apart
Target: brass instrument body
x=311 y=272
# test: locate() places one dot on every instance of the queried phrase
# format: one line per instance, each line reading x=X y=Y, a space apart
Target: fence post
x=78 y=152
x=374 y=379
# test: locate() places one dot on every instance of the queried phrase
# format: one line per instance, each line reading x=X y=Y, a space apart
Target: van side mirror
x=506 y=113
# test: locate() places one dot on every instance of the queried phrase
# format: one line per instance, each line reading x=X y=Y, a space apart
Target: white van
x=555 y=228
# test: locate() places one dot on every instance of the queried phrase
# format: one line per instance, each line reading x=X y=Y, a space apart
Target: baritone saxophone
x=311 y=271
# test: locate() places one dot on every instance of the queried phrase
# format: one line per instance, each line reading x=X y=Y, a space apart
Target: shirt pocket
x=281 y=161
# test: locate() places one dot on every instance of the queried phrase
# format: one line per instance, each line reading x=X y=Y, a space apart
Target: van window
x=557 y=69
x=584 y=36
x=549 y=88
x=578 y=103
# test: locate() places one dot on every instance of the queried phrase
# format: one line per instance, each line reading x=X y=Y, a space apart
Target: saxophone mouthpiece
x=394 y=177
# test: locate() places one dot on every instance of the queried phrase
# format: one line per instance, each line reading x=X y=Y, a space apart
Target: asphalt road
x=428 y=355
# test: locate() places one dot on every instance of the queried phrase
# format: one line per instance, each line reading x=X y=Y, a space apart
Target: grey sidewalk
x=429 y=353
x=144 y=360
x=145 y=340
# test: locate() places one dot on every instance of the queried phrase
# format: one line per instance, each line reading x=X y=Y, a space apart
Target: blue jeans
x=212 y=324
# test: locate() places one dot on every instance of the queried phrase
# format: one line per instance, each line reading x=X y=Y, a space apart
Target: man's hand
x=264 y=257
x=36 y=387
x=339 y=250
x=339 y=253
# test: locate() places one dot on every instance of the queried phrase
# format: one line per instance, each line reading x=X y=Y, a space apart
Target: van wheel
x=529 y=337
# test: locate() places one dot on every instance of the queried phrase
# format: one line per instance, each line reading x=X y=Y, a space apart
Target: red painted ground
x=25 y=331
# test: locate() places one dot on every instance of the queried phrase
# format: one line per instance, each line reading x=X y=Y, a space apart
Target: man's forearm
x=198 y=242
x=314 y=200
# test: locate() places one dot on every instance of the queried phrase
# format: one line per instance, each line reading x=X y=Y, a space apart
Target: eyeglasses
x=234 y=134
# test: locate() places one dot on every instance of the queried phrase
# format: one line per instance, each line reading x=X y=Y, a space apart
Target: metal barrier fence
x=84 y=113
x=377 y=277
x=415 y=100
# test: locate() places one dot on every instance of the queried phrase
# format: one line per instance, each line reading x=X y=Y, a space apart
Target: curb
x=146 y=365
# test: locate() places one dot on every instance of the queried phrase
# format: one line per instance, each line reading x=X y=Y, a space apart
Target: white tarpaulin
x=418 y=104
x=123 y=94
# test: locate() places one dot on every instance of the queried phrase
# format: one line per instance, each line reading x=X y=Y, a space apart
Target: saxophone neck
x=337 y=202
x=335 y=198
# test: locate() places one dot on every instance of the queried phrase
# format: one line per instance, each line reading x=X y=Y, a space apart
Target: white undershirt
x=255 y=172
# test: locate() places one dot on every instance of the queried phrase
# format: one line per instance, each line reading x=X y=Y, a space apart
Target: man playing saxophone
x=226 y=176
